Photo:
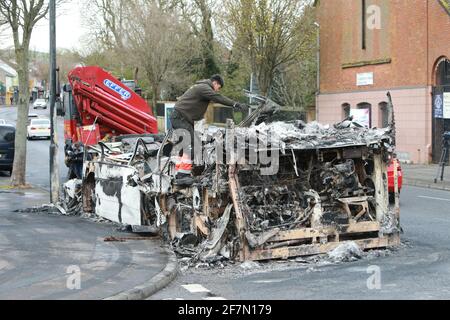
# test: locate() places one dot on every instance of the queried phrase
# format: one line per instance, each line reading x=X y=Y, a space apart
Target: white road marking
x=195 y=288
x=433 y=198
x=270 y=281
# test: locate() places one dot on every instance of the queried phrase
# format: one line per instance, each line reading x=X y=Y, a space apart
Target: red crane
x=99 y=105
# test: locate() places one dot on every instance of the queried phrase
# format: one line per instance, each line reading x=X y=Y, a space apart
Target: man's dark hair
x=219 y=79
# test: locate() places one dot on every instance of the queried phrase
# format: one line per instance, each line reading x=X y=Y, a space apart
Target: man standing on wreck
x=192 y=106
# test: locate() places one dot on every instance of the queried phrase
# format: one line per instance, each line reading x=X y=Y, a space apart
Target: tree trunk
x=210 y=66
x=155 y=96
x=18 y=178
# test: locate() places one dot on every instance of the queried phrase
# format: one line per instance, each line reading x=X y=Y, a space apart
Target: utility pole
x=54 y=168
x=251 y=88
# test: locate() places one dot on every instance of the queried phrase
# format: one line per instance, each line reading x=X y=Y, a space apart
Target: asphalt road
x=419 y=269
x=46 y=257
x=38 y=151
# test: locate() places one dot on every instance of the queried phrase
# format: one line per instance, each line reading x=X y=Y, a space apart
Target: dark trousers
x=77 y=168
x=180 y=122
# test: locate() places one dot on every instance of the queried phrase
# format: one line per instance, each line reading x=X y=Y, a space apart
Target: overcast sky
x=69 y=29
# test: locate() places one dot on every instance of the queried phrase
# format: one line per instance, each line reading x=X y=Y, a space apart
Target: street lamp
x=54 y=172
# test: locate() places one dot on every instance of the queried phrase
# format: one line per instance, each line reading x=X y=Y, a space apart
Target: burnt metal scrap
x=263 y=190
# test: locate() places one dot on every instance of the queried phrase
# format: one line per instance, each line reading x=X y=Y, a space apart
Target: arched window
x=383 y=115
x=443 y=73
x=365 y=118
x=346 y=110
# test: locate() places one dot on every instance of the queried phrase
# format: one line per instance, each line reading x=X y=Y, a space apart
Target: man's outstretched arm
x=207 y=93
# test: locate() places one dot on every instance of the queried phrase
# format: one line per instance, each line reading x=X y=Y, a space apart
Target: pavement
x=423 y=176
x=45 y=257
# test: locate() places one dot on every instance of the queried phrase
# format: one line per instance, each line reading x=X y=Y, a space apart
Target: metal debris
x=327 y=194
x=346 y=252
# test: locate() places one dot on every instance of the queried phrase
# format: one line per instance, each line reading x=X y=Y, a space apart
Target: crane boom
x=102 y=105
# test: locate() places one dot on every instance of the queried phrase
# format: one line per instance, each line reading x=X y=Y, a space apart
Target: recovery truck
x=99 y=106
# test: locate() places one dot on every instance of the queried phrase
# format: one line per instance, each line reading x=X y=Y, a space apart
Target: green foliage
x=237 y=78
x=233 y=43
x=446 y=5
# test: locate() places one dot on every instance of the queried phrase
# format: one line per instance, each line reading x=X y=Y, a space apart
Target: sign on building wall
x=169 y=109
x=446 y=104
x=364 y=79
x=438 y=107
x=362 y=116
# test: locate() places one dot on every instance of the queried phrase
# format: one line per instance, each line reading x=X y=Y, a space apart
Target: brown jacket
x=194 y=103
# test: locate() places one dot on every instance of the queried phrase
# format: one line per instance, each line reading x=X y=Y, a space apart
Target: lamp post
x=54 y=172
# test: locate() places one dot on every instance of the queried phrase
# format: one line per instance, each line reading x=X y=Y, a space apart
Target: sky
x=69 y=29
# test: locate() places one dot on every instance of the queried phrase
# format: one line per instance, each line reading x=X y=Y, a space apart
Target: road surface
x=419 y=269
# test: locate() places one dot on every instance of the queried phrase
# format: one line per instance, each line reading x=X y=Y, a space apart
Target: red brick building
x=370 y=47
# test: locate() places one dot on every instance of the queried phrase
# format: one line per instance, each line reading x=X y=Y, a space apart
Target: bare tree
x=295 y=85
x=105 y=19
x=199 y=15
x=21 y=17
x=155 y=39
x=66 y=61
x=266 y=30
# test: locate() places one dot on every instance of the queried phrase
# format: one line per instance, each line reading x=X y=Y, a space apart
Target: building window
x=346 y=110
x=366 y=118
x=383 y=115
x=443 y=73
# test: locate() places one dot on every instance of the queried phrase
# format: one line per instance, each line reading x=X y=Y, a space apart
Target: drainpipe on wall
x=318 y=70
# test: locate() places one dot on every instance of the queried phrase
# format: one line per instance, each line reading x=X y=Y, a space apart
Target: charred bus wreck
x=264 y=190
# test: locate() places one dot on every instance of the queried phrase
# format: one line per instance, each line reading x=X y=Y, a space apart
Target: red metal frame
x=118 y=110
x=391 y=182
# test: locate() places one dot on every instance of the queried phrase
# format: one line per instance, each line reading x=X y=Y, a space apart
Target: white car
x=2 y=122
x=40 y=104
x=39 y=128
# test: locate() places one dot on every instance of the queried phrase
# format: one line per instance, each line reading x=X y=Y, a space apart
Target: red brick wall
x=439 y=36
x=404 y=38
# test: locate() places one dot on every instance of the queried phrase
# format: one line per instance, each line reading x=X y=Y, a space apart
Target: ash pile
x=260 y=191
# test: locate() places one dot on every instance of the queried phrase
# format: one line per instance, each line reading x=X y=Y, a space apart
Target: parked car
x=7 y=147
x=40 y=104
x=391 y=183
x=32 y=116
x=39 y=128
x=2 y=122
